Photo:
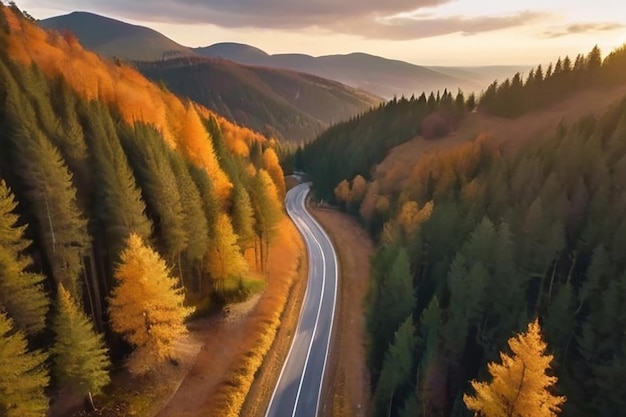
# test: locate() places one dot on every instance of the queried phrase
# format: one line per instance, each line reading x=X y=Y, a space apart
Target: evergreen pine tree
x=23 y=375
x=393 y=302
x=195 y=221
x=51 y=194
x=396 y=370
x=148 y=157
x=80 y=356
x=21 y=292
x=118 y=204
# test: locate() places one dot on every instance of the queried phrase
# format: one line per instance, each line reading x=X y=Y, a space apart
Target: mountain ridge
x=280 y=103
x=383 y=76
x=121 y=36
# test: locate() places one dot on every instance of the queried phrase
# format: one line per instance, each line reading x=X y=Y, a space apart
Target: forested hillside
x=121 y=208
x=282 y=104
x=516 y=96
x=286 y=105
x=354 y=147
x=474 y=244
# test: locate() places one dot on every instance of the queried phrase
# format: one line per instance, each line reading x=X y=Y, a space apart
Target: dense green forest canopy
x=479 y=242
x=353 y=147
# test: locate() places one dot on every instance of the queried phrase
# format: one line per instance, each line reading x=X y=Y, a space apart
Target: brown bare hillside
x=507 y=133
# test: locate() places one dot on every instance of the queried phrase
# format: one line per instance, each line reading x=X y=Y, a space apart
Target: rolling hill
x=382 y=76
x=280 y=103
x=112 y=37
x=284 y=104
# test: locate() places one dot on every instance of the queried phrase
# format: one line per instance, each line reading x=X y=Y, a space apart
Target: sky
x=426 y=32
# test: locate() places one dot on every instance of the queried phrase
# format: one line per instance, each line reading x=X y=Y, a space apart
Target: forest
x=487 y=259
x=107 y=180
x=353 y=147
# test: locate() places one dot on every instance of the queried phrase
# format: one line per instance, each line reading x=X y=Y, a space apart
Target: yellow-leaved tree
x=224 y=258
x=146 y=307
x=520 y=386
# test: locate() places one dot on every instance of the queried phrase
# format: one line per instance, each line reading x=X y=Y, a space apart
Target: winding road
x=299 y=386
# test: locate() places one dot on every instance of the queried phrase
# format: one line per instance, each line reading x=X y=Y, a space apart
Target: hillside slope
x=497 y=223
x=283 y=104
x=111 y=37
x=134 y=207
x=506 y=134
x=382 y=76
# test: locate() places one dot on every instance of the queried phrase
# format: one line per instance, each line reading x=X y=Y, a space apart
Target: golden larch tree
x=342 y=191
x=357 y=190
x=520 y=386
x=368 y=205
x=224 y=258
x=272 y=166
x=146 y=307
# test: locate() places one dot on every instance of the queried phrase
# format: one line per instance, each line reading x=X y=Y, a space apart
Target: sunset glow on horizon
x=426 y=32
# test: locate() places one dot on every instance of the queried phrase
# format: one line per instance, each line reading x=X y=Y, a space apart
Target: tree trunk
x=517 y=394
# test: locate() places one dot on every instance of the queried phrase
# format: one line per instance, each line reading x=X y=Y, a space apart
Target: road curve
x=299 y=386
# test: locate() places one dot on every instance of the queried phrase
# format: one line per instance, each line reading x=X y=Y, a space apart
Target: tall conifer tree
x=80 y=357
x=23 y=375
x=21 y=292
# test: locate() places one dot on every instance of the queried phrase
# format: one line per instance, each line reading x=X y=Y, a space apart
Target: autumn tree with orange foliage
x=520 y=386
x=267 y=213
x=146 y=307
x=224 y=258
x=272 y=166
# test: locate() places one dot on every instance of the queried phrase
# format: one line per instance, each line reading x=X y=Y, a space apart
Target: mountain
x=382 y=76
x=112 y=37
x=283 y=104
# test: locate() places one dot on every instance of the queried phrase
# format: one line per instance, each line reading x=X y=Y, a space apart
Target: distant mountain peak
x=233 y=51
x=112 y=37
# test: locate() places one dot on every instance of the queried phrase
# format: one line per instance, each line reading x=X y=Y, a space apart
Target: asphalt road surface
x=297 y=392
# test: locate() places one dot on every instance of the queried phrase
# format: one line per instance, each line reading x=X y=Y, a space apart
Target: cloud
x=426 y=25
x=251 y=13
x=375 y=19
x=577 y=28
